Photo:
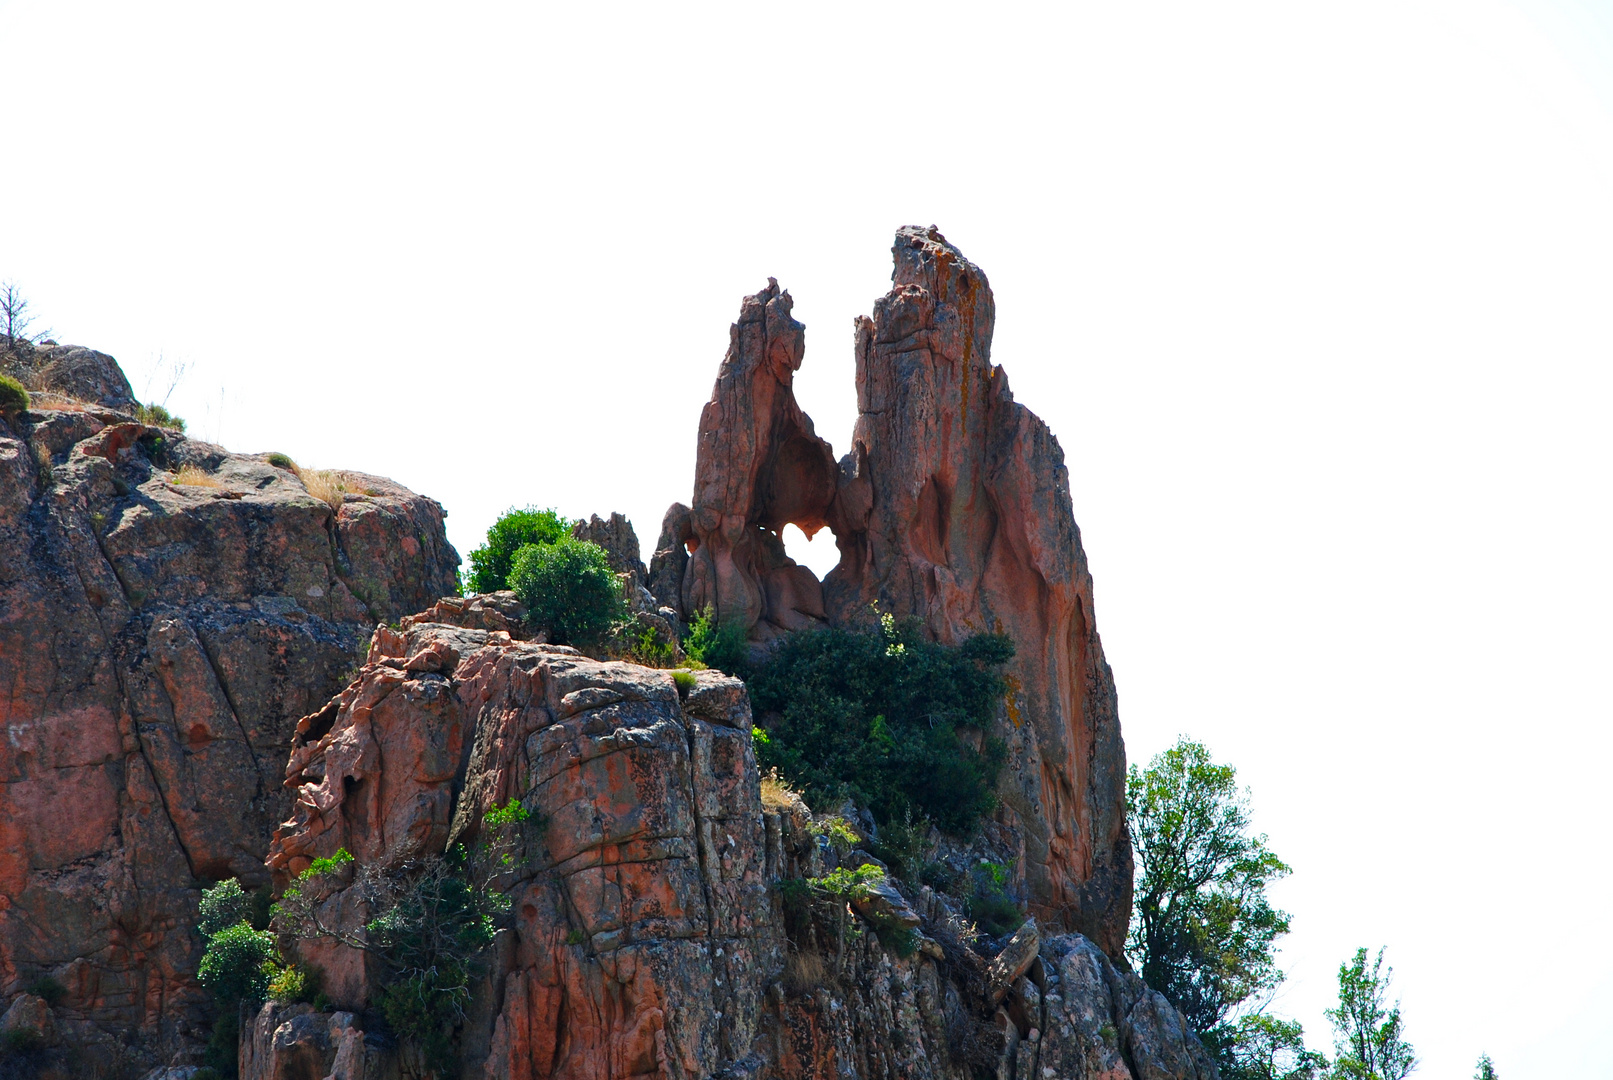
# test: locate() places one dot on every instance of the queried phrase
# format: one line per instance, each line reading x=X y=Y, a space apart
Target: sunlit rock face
x=158 y=642
x=953 y=506
x=643 y=933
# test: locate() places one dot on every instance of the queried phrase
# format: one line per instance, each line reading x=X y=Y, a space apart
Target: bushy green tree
x=222 y=905
x=1485 y=1069
x=1263 y=1047
x=1368 y=1035
x=896 y=722
x=1203 y=932
x=569 y=589
x=236 y=966
x=490 y=564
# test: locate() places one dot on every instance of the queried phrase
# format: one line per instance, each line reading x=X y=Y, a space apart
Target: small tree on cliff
x=1368 y=1034
x=15 y=320
x=1203 y=932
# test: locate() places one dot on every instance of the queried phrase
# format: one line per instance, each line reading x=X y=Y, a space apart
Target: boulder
x=30 y=1014
x=71 y=371
x=158 y=642
x=952 y=506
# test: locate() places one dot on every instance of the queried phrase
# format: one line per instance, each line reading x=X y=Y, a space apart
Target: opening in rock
x=818 y=554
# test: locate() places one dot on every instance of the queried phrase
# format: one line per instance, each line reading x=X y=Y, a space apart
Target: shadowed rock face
x=953 y=505
x=157 y=644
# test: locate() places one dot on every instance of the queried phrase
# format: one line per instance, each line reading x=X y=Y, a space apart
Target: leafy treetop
x=490 y=564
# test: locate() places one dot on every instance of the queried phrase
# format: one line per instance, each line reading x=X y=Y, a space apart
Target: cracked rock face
x=952 y=506
x=158 y=642
x=647 y=938
x=643 y=935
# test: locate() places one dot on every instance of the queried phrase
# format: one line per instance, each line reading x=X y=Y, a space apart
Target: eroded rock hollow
x=952 y=505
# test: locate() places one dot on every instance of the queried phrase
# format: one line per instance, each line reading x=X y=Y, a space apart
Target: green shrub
x=878 y=716
x=157 y=416
x=685 y=681
x=490 y=564
x=901 y=846
x=723 y=647
x=225 y=904
x=282 y=461
x=293 y=984
x=48 y=988
x=569 y=589
x=236 y=966
x=13 y=397
x=575 y=937
x=992 y=909
x=22 y=1041
x=846 y=884
x=838 y=832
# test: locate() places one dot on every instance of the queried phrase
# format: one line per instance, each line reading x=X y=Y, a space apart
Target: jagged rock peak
x=951 y=506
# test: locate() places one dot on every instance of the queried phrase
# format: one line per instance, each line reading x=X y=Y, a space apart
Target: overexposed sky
x=1318 y=299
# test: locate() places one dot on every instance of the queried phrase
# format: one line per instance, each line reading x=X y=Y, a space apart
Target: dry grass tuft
x=191 y=476
x=326 y=485
x=804 y=972
x=777 y=793
x=49 y=399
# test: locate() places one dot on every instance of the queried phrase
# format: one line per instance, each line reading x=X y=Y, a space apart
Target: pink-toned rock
x=953 y=506
x=643 y=936
x=158 y=642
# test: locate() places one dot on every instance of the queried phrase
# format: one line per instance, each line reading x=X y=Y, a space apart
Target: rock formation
x=953 y=506
x=649 y=932
x=643 y=936
x=158 y=642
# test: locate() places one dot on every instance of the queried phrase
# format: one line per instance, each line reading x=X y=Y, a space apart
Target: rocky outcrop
x=952 y=506
x=643 y=936
x=68 y=371
x=158 y=642
x=648 y=932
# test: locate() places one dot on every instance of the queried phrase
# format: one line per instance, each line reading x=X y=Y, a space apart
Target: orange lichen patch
x=1011 y=699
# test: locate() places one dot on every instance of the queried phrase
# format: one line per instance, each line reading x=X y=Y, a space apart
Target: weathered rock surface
x=953 y=506
x=643 y=936
x=646 y=939
x=71 y=371
x=293 y=1042
x=157 y=644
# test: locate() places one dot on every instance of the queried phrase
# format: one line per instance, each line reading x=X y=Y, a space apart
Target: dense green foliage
x=13 y=397
x=225 y=904
x=490 y=564
x=237 y=965
x=1203 y=932
x=1485 y=1069
x=1368 y=1035
x=282 y=461
x=569 y=589
x=717 y=646
x=897 y=723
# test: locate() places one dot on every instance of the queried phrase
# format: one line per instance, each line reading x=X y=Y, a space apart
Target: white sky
x=1316 y=297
